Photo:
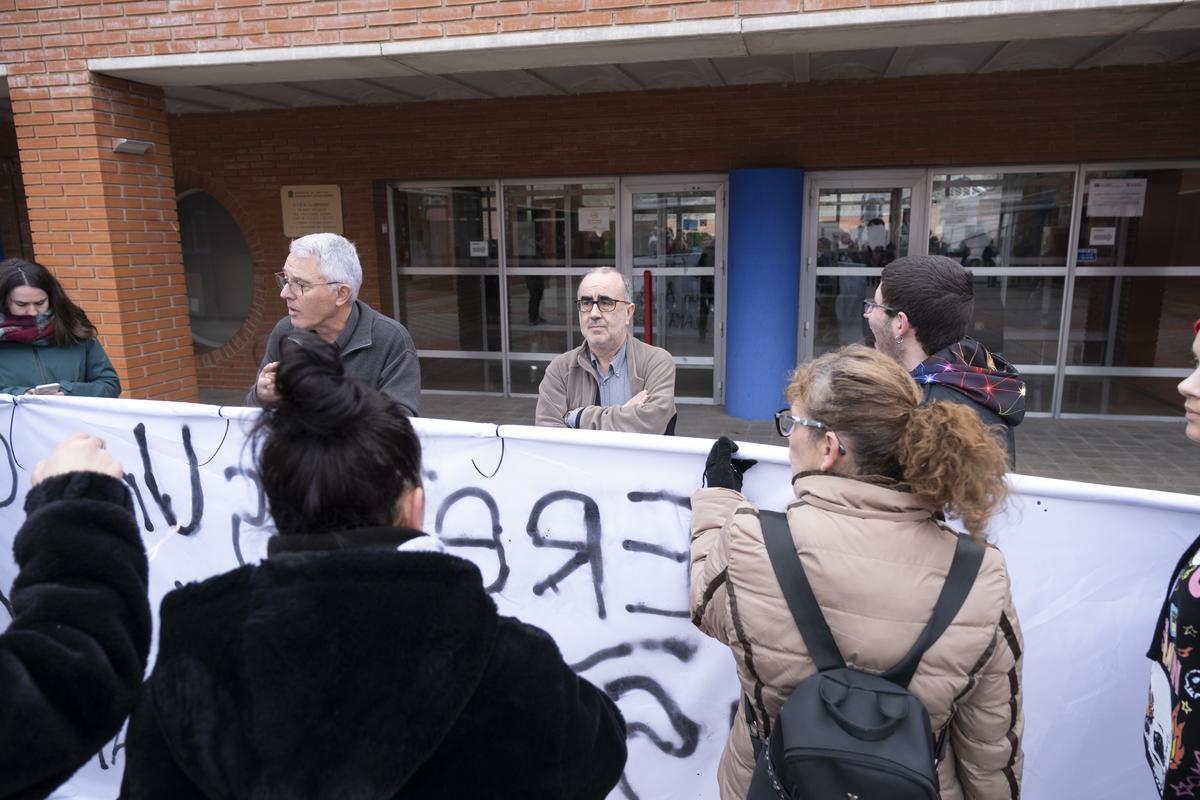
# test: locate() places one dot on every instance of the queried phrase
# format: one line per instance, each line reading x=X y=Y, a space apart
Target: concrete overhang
x=938 y=38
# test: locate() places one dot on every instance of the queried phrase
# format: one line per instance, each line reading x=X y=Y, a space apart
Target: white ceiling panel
x=757 y=69
x=1148 y=48
x=667 y=74
x=850 y=65
x=1046 y=53
x=581 y=80
x=949 y=59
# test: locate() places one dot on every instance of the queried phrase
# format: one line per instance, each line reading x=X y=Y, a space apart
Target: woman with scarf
x=47 y=339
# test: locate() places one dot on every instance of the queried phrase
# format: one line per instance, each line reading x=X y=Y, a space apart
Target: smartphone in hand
x=47 y=388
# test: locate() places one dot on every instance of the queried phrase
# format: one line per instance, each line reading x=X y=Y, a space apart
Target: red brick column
x=105 y=222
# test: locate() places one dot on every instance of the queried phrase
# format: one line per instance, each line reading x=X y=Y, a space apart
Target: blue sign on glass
x=1086 y=255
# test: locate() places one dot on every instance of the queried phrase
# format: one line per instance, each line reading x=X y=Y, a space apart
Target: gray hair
x=336 y=256
x=628 y=284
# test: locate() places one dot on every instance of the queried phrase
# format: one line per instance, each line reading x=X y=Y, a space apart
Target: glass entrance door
x=447 y=285
x=674 y=243
x=854 y=225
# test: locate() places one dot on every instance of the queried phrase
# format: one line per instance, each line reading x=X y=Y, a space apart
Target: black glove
x=722 y=470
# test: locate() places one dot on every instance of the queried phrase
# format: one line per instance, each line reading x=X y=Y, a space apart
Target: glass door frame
x=484 y=272
x=1076 y=271
x=1065 y=272
x=918 y=183
x=718 y=183
x=571 y=273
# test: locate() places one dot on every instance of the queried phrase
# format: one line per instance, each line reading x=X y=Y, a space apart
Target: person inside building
x=1172 y=738
x=47 y=343
x=358 y=659
x=613 y=381
x=873 y=466
x=320 y=283
x=919 y=316
x=72 y=658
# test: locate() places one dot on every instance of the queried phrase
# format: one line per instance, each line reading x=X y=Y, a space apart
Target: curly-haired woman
x=874 y=468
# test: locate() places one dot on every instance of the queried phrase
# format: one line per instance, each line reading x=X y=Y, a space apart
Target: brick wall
x=164 y=27
x=105 y=222
x=1003 y=118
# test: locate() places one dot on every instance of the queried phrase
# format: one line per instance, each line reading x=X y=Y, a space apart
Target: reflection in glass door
x=853 y=227
x=447 y=286
x=676 y=241
x=554 y=234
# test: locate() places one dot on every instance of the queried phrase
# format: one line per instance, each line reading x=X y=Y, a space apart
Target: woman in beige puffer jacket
x=873 y=469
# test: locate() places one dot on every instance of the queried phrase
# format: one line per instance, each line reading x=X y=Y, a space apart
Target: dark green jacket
x=83 y=369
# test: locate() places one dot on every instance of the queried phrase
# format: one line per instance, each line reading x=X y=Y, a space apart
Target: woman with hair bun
x=46 y=339
x=357 y=660
x=873 y=470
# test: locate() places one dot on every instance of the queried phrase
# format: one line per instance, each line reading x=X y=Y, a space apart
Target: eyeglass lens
x=605 y=303
x=283 y=281
x=783 y=422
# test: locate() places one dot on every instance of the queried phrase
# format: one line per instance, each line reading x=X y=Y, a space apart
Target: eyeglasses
x=584 y=304
x=299 y=287
x=869 y=305
x=785 y=423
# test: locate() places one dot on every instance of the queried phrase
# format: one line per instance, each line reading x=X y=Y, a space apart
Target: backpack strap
x=968 y=556
x=798 y=592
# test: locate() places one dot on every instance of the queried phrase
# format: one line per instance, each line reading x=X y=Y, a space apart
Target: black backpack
x=846 y=734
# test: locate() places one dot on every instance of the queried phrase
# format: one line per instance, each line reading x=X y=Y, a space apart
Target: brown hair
x=935 y=293
x=942 y=450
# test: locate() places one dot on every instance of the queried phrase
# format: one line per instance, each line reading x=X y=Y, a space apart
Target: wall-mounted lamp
x=136 y=146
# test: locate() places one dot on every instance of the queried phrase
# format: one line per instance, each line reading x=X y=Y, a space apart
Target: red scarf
x=37 y=330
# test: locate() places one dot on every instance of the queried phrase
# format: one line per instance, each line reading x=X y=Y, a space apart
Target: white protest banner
x=586 y=535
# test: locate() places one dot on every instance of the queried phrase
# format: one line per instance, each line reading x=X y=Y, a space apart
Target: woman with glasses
x=358 y=660
x=874 y=472
x=47 y=343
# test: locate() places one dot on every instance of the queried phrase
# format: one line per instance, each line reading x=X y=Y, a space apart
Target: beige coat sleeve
x=987 y=729
x=651 y=416
x=552 y=395
x=712 y=519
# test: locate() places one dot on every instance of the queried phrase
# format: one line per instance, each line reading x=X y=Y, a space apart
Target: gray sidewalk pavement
x=1146 y=455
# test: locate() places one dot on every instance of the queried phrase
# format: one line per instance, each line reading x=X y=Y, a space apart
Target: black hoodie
x=364 y=673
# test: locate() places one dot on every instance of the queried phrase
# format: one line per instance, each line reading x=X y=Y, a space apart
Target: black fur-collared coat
x=341 y=668
x=71 y=661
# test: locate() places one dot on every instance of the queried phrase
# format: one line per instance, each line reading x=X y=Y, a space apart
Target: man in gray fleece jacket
x=320 y=283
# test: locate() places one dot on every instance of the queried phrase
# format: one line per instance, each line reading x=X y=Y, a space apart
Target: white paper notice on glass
x=1102 y=237
x=479 y=249
x=1116 y=197
x=594 y=218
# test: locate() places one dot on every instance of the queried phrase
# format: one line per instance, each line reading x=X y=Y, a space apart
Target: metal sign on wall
x=311 y=209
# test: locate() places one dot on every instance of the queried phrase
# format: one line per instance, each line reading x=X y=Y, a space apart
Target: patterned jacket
x=876 y=558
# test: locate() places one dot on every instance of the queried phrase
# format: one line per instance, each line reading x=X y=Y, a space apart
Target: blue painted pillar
x=765 y=219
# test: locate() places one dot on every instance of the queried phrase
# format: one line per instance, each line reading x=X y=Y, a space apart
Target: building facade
x=159 y=155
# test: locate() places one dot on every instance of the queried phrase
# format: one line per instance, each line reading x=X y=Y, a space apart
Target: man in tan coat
x=612 y=382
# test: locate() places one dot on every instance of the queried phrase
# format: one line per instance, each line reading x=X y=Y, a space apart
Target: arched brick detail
x=238 y=354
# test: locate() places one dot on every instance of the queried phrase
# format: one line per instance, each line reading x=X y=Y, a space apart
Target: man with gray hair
x=320 y=283
x=612 y=381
